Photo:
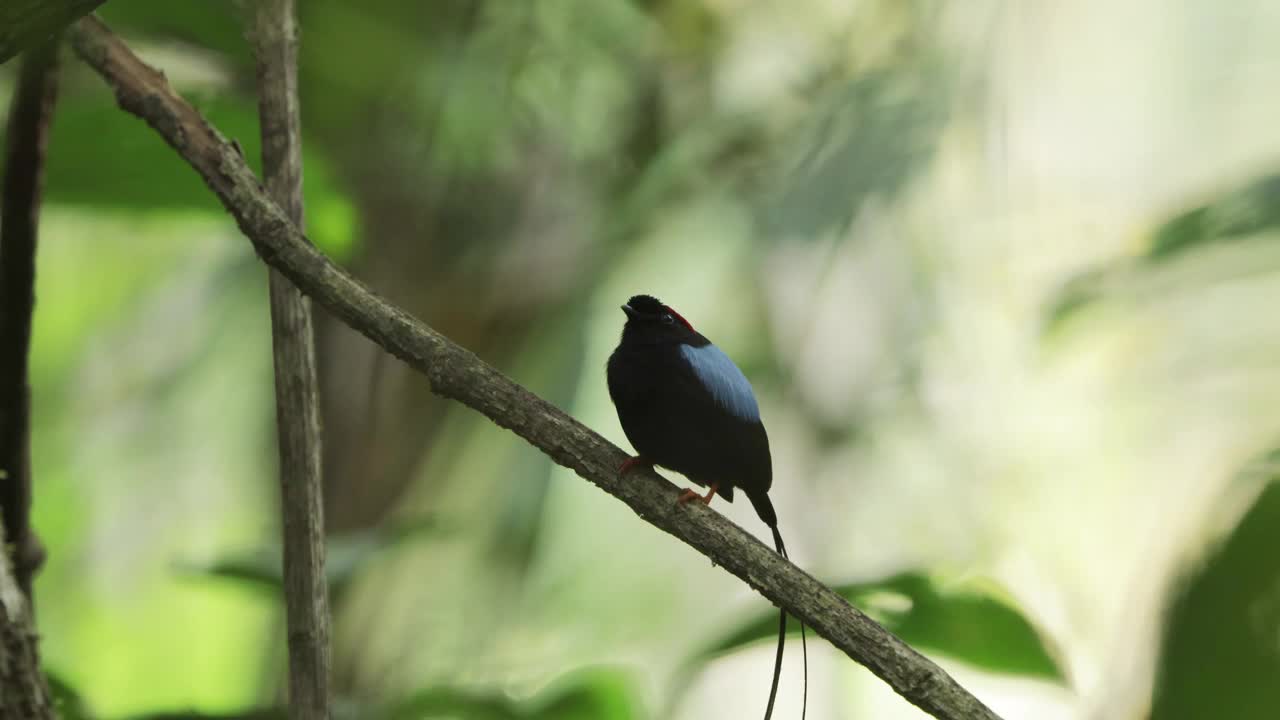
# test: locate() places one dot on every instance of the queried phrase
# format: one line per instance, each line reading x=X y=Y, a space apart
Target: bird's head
x=648 y=319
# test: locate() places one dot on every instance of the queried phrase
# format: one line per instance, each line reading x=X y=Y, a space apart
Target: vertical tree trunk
x=24 y=694
x=297 y=396
x=28 y=133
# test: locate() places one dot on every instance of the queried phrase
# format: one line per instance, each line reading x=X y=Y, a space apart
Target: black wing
x=676 y=418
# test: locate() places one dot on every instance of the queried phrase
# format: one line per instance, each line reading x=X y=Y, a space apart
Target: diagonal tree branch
x=275 y=43
x=30 y=116
x=458 y=374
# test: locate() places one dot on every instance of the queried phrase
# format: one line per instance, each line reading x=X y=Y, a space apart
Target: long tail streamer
x=782 y=638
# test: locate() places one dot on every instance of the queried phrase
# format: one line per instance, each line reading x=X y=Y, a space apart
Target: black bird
x=685 y=406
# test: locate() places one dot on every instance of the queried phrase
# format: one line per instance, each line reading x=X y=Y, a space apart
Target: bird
x=685 y=406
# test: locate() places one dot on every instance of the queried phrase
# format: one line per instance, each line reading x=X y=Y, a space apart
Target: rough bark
x=28 y=23
x=458 y=374
x=275 y=42
x=30 y=115
x=24 y=693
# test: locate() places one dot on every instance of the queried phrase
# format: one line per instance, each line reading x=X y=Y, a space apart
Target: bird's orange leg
x=690 y=494
x=629 y=463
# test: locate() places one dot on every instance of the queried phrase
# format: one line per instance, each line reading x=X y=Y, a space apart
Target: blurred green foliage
x=505 y=170
x=968 y=623
x=1247 y=211
x=136 y=171
x=867 y=138
x=1251 y=212
x=1218 y=655
x=597 y=695
x=346 y=555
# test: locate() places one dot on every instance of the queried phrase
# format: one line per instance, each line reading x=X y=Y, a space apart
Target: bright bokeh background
x=1003 y=274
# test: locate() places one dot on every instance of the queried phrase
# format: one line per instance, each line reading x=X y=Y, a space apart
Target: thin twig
x=28 y=134
x=456 y=373
x=275 y=41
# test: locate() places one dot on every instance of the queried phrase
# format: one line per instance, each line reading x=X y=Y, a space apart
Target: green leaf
x=343 y=708
x=1183 y=232
x=66 y=699
x=100 y=157
x=454 y=703
x=1250 y=210
x=968 y=623
x=104 y=158
x=252 y=714
x=253 y=567
x=871 y=138
x=1219 y=656
x=1076 y=295
x=346 y=555
x=591 y=695
x=217 y=27
x=1239 y=215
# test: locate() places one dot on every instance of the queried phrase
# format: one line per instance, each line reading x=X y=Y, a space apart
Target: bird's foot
x=690 y=495
x=629 y=463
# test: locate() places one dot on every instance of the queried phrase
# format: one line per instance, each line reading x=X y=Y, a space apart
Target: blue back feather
x=723 y=379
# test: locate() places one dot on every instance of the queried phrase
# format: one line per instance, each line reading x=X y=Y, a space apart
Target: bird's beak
x=629 y=311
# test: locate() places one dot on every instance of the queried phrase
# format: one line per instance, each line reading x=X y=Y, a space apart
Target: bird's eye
x=667 y=319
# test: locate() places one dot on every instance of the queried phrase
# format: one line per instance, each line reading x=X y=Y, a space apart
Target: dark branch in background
x=24 y=693
x=26 y=24
x=275 y=43
x=28 y=134
x=458 y=374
